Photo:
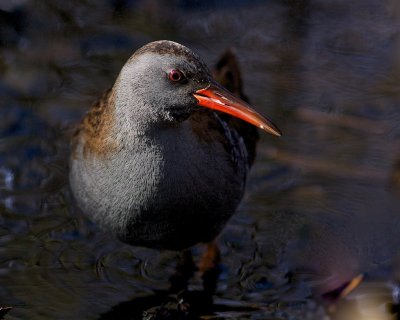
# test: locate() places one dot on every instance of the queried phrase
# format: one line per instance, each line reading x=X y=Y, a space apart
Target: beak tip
x=274 y=130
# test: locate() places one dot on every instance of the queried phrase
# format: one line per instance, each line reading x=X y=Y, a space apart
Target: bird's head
x=168 y=82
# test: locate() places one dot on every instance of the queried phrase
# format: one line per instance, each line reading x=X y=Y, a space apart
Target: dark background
x=322 y=200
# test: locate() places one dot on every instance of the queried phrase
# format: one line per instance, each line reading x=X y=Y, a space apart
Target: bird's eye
x=175 y=75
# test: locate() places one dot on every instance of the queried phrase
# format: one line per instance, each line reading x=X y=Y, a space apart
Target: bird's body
x=152 y=166
x=171 y=193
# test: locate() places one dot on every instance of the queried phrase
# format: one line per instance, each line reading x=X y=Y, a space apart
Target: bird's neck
x=136 y=120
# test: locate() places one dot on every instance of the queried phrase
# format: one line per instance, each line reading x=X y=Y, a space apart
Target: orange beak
x=220 y=99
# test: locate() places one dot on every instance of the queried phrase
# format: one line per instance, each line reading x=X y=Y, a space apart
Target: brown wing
x=96 y=124
x=227 y=73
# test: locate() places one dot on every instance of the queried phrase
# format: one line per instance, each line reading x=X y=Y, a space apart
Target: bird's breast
x=192 y=170
x=164 y=185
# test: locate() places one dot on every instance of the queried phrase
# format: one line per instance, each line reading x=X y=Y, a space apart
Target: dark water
x=322 y=204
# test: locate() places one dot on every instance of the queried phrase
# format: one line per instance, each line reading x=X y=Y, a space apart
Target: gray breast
x=171 y=190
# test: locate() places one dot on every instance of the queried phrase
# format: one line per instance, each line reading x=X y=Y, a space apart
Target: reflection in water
x=7 y=178
x=322 y=202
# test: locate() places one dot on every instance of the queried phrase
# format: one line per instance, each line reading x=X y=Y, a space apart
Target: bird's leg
x=175 y=305
x=185 y=269
x=209 y=268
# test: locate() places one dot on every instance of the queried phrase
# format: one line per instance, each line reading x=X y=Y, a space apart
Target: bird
x=161 y=159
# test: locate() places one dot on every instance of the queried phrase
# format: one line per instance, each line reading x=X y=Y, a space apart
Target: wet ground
x=322 y=204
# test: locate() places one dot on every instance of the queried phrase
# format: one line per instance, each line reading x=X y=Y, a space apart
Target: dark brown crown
x=166 y=47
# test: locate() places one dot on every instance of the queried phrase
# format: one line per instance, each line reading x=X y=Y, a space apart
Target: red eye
x=175 y=75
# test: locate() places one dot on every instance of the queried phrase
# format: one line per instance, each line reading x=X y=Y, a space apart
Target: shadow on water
x=191 y=305
x=322 y=203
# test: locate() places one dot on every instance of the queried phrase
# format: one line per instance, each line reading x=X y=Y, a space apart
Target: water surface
x=322 y=203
